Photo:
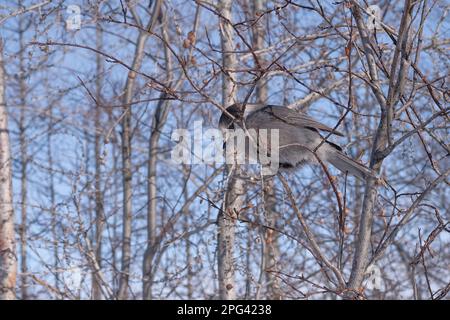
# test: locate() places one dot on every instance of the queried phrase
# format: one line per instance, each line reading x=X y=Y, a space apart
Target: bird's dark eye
x=226 y=122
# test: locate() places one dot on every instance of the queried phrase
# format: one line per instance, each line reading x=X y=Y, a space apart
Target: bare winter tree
x=234 y=194
x=8 y=258
x=97 y=97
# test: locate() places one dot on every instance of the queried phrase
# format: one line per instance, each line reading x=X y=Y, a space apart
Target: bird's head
x=239 y=112
x=227 y=122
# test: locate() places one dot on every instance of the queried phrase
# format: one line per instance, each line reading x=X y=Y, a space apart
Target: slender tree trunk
x=271 y=248
x=271 y=245
x=23 y=208
x=189 y=260
x=234 y=197
x=115 y=241
x=53 y=217
x=382 y=137
x=8 y=258
x=24 y=165
x=248 y=264
x=126 y=167
x=99 y=202
x=186 y=226
x=126 y=152
x=258 y=44
x=159 y=119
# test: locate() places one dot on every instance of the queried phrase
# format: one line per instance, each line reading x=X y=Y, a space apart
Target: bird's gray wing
x=295 y=118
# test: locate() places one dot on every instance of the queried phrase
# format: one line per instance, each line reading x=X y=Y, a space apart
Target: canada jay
x=299 y=136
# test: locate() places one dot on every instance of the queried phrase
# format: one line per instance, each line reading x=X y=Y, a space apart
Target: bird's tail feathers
x=346 y=164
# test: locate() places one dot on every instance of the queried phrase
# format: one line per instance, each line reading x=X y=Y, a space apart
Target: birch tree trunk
x=99 y=202
x=270 y=237
x=8 y=258
x=382 y=138
x=52 y=189
x=234 y=197
x=126 y=167
x=24 y=164
x=126 y=149
x=159 y=119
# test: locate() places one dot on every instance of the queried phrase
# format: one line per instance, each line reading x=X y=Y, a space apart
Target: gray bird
x=299 y=135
